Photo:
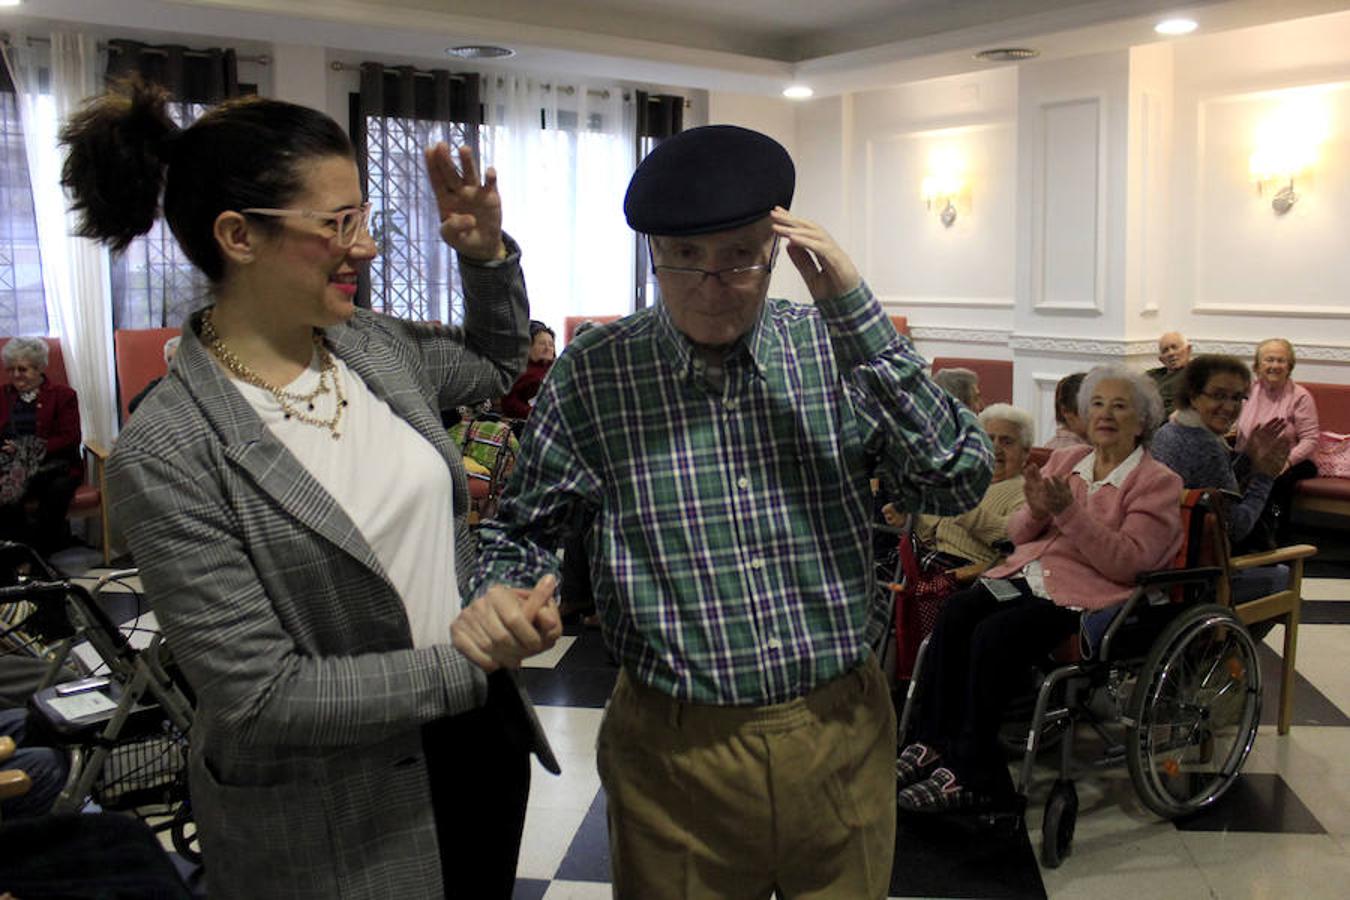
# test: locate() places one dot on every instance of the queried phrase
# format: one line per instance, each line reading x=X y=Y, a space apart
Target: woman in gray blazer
x=299 y=514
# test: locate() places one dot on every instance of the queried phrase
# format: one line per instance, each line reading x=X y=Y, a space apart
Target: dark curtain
x=397 y=114
x=23 y=300
x=659 y=116
x=153 y=283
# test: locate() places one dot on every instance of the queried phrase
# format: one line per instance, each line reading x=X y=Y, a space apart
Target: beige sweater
x=970 y=534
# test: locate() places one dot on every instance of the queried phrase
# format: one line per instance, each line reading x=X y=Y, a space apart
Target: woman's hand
x=826 y=269
x=506 y=625
x=1045 y=496
x=470 y=213
x=1268 y=448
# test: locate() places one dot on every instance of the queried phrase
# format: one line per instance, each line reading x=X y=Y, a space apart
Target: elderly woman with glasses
x=1209 y=399
x=298 y=513
x=40 y=435
x=1095 y=518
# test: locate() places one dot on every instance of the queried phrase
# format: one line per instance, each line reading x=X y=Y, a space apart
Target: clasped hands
x=506 y=625
x=1046 y=496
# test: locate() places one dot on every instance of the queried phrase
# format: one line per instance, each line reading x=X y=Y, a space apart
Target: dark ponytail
x=118 y=146
x=249 y=152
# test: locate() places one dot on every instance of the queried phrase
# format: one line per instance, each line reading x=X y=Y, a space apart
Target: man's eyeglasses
x=347 y=223
x=733 y=277
x=1220 y=397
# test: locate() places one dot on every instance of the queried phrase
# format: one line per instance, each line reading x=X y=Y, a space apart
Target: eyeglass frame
x=766 y=268
x=336 y=219
x=1222 y=398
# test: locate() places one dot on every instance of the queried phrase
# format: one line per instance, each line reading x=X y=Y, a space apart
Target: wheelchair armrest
x=1197 y=575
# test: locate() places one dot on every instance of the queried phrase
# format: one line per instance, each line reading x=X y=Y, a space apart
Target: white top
x=391 y=483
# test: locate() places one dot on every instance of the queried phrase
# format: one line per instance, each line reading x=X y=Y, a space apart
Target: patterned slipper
x=915 y=763
x=940 y=792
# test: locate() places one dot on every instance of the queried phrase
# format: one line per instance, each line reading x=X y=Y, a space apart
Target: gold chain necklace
x=290 y=402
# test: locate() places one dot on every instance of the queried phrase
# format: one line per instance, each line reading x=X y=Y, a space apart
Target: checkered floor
x=1283 y=831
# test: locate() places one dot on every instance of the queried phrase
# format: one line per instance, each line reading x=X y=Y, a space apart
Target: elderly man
x=723 y=443
x=1173 y=352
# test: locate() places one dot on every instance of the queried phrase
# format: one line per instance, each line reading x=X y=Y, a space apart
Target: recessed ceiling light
x=1175 y=26
x=480 y=51
x=1007 y=54
x=11 y=2
x=798 y=92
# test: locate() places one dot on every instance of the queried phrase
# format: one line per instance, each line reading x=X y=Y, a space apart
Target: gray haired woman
x=39 y=448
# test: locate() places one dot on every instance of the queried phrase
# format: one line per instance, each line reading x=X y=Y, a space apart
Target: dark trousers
x=1281 y=497
x=480 y=783
x=52 y=488
x=977 y=660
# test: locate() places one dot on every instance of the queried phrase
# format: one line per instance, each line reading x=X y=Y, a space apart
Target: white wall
x=1240 y=272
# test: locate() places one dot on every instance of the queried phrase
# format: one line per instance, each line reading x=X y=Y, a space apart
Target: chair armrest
x=1198 y=575
x=100 y=452
x=1272 y=557
x=14 y=783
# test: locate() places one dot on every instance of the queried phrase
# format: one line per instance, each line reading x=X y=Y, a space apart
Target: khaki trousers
x=740 y=802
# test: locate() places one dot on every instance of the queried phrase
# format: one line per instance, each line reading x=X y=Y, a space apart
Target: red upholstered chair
x=1039 y=456
x=901 y=324
x=1330 y=496
x=571 y=322
x=995 y=375
x=140 y=360
x=88 y=500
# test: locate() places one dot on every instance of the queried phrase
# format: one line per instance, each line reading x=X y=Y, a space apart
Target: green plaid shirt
x=729 y=528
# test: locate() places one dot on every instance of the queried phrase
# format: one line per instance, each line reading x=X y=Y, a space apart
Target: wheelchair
x=125 y=722
x=1171 y=686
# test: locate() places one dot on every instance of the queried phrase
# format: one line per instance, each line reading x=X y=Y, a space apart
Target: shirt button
x=742 y=482
x=773 y=643
x=729 y=403
x=757 y=563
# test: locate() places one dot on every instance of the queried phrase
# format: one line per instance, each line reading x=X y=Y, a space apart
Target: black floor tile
x=1311 y=706
x=1326 y=612
x=1255 y=803
x=951 y=856
x=587 y=857
x=530 y=889
x=579 y=687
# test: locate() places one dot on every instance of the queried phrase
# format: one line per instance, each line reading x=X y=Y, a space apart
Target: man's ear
x=237 y=241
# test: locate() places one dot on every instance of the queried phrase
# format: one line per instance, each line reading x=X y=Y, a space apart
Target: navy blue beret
x=709 y=179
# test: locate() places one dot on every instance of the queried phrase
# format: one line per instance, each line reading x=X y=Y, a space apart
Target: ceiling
x=748 y=46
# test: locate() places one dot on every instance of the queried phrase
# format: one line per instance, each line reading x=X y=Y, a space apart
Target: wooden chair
x=1283 y=606
x=88 y=500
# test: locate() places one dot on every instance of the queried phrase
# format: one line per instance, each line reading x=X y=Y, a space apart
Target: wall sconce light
x=945 y=183
x=1286 y=147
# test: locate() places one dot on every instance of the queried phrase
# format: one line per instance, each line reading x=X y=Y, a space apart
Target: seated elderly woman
x=1093 y=520
x=1209 y=398
x=963 y=384
x=39 y=448
x=1277 y=399
x=967 y=541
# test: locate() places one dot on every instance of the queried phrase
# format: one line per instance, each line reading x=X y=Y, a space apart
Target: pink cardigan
x=1291 y=403
x=1092 y=551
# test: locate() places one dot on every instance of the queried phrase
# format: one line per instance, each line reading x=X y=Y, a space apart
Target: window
x=23 y=305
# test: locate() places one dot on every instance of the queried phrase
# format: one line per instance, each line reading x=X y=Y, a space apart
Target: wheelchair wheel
x=1061 y=814
x=183 y=833
x=1194 y=712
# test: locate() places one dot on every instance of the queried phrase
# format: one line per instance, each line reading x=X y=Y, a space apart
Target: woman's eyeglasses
x=1220 y=397
x=347 y=223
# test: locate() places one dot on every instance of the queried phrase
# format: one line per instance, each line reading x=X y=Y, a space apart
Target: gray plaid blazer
x=307 y=770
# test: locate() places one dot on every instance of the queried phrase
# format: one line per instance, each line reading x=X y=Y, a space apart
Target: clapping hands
x=1268 y=448
x=1046 y=496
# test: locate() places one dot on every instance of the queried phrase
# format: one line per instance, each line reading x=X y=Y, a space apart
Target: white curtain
x=74 y=270
x=564 y=152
